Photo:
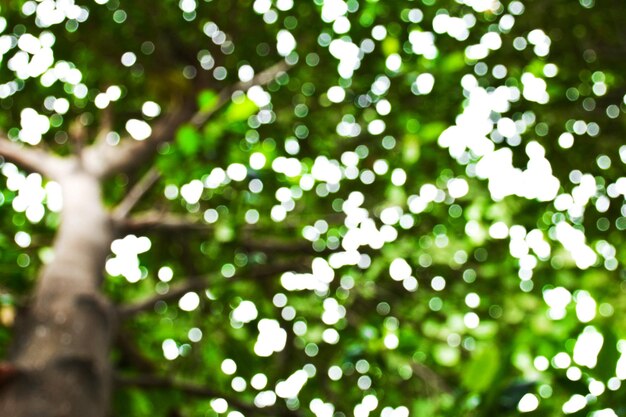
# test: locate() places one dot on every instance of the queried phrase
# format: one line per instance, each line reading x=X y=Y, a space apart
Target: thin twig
x=105 y=126
x=174 y=293
x=136 y=193
x=78 y=136
x=200 y=283
x=262 y=78
x=431 y=379
x=246 y=235
x=282 y=246
x=155 y=220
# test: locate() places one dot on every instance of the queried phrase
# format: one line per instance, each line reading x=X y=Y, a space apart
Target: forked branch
x=136 y=193
x=105 y=160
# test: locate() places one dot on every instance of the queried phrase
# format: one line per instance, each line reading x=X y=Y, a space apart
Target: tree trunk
x=60 y=356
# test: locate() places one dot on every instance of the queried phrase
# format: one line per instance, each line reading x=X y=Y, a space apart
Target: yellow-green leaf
x=390 y=45
x=411 y=149
x=239 y=111
x=188 y=139
x=481 y=369
x=207 y=99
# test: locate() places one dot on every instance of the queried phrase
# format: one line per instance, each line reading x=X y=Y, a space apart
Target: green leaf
x=141 y=403
x=481 y=370
x=431 y=131
x=240 y=111
x=411 y=149
x=207 y=99
x=224 y=233
x=453 y=62
x=446 y=355
x=535 y=67
x=188 y=139
x=396 y=195
x=608 y=357
x=423 y=407
x=212 y=133
x=390 y=45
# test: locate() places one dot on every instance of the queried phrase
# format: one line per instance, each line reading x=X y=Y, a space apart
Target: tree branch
x=174 y=293
x=131 y=354
x=202 y=282
x=31 y=159
x=135 y=194
x=262 y=78
x=282 y=246
x=104 y=160
x=162 y=383
x=430 y=378
x=173 y=223
x=155 y=220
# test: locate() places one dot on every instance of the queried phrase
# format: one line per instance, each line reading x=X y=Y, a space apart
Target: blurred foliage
x=346 y=147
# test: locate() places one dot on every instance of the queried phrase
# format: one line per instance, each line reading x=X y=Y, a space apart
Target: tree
x=319 y=207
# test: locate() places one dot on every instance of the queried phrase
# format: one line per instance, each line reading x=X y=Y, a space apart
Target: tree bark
x=60 y=357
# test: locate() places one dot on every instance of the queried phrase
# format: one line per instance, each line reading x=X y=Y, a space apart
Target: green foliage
x=207 y=100
x=239 y=111
x=482 y=369
x=188 y=139
x=368 y=156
